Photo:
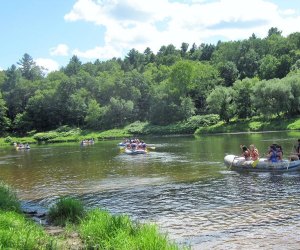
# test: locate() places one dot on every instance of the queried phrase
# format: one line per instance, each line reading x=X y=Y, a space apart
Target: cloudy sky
x=51 y=31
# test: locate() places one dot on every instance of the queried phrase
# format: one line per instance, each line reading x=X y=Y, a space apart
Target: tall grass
x=8 y=199
x=17 y=232
x=66 y=210
x=101 y=230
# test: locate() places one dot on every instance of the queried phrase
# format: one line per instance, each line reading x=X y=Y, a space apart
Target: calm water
x=182 y=185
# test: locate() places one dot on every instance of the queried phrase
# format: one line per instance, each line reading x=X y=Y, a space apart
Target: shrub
x=8 y=139
x=66 y=210
x=45 y=136
x=8 y=199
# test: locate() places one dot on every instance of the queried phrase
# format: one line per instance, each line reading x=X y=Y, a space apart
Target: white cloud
x=48 y=64
x=136 y=23
x=60 y=50
x=106 y=52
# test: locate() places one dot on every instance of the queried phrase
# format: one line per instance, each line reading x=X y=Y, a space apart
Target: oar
x=153 y=148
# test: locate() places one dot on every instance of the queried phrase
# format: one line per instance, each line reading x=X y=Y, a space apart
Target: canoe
x=239 y=163
x=135 y=151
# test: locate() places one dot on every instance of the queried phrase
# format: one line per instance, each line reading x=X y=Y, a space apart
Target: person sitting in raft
x=245 y=152
x=279 y=153
x=296 y=156
x=254 y=154
x=272 y=154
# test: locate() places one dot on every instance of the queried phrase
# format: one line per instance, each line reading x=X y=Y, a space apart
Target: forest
x=255 y=77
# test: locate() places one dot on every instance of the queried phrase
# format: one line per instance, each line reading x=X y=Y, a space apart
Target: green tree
x=4 y=120
x=219 y=102
x=242 y=97
x=29 y=69
x=268 y=67
x=272 y=97
x=93 y=115
x=117 y=113
x=229 y=72
x=73 y=66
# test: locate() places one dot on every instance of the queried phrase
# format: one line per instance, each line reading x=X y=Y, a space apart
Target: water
x=182 y=185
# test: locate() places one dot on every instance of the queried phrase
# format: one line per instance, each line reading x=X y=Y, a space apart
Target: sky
x=52 y=31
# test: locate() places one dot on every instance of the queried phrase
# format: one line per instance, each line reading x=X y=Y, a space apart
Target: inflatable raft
x=239 y=163
x=135 y=151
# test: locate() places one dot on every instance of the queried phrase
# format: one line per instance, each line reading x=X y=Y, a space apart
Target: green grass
x=17 y=232
x=8 y=199
x=66 y=210
x=101 y=230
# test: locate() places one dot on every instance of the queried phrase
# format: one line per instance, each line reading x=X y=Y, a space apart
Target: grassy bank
x=207 y=124
x=96 y=229
x=253 y=125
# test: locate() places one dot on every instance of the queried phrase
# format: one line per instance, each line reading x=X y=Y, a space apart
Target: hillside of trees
x=242 y=79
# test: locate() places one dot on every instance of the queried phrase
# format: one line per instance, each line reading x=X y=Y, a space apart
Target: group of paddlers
x=274 y=154
x=134 y=144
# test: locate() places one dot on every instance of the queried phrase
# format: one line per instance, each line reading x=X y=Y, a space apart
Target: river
x=182 y=185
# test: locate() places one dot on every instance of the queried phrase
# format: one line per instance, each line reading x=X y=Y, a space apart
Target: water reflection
x=182 y=185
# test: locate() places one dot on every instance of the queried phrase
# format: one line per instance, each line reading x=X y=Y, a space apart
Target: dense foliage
x=245 y=78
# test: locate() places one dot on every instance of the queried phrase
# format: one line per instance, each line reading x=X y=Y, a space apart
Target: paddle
x=254 y=163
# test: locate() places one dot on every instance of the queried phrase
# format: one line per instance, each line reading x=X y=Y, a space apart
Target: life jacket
x=273 y=157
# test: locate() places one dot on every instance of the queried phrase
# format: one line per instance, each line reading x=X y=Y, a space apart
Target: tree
x=272 y=97
x=4 y=120
x=274 y=31
x=229 y=72
x=268 y=67
x=207 y=51
x=242 y=97
x=94 y=115
x=184 y=48
x=219 y=102
x=117 y=113
x=29 y=69
x=73 y=66
x=248 y=64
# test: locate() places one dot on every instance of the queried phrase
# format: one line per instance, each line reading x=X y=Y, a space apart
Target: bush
x=8 y=139
x=66 y=210
x=8 y=199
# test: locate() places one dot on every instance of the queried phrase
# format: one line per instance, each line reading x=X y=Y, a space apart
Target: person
x=245 y=152
x=279 y=152
x=272 y=154
x=296 y=156
x=254 y=154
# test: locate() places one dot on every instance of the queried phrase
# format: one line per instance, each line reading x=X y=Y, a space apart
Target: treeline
x=245 y=78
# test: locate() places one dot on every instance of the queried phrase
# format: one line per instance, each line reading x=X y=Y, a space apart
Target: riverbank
x=196 y=125
x=70 y=226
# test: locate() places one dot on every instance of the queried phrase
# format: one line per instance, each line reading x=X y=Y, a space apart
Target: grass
x=8 y=199
x=66 y=210
x=97 y=228
x=101 y=230
x=18 y=232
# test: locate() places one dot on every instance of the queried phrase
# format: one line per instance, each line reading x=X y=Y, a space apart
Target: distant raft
x=239 y=163
x=135 y=151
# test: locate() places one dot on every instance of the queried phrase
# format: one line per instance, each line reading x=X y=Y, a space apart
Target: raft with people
x=133 y=146
x=250 y=160
x=21 y=146
x=234 y=162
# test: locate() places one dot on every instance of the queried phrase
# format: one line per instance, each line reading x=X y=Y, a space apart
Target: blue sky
x=51 y=31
